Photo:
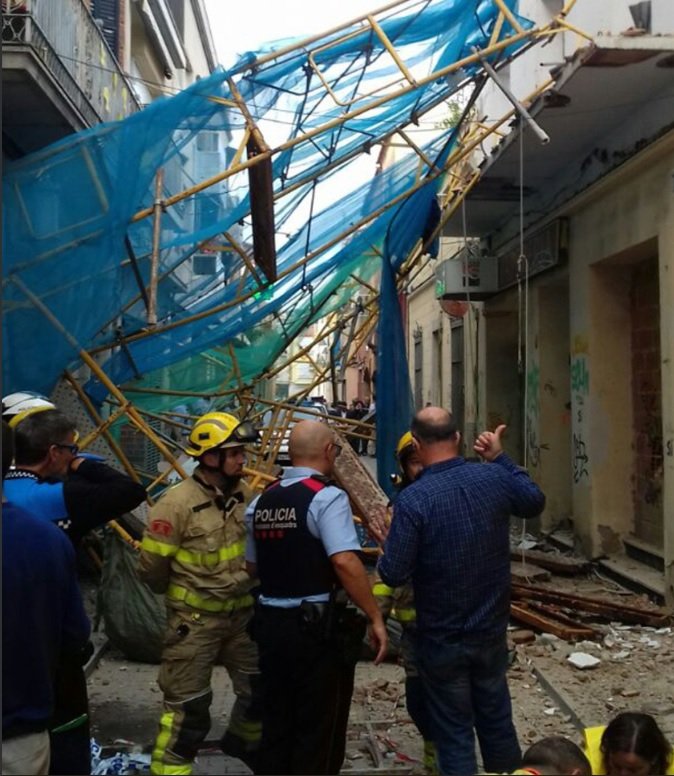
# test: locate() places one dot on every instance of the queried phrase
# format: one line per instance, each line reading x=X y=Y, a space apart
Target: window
x=106 y=15
x=207 y=141
x=437 y=386
x=418 y=373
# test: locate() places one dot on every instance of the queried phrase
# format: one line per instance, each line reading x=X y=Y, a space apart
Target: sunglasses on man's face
x=74 y=449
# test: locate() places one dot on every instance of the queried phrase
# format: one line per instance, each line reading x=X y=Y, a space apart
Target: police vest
x=291 y=562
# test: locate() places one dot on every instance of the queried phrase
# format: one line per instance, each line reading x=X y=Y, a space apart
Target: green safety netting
x=73 y=249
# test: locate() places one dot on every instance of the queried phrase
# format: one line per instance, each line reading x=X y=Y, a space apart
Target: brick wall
x=647 y=403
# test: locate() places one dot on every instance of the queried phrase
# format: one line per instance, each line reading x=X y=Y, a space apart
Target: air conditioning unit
x=205 y=263
x=468 y=274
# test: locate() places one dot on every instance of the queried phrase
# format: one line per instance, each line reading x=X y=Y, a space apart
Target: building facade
x=71 y=64
x=575 y=339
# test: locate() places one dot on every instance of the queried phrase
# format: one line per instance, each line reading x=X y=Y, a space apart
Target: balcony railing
x=65 y=37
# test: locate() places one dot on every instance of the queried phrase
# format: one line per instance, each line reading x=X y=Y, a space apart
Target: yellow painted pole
x=131 y=411
x=386 y=43
x=288 y=144
x=503 y=8
x=156 y=242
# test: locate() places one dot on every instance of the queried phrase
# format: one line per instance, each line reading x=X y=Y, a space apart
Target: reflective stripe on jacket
x=397 y=603
x=193 y=548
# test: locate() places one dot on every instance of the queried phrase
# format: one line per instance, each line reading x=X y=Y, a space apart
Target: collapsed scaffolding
x=104 y=229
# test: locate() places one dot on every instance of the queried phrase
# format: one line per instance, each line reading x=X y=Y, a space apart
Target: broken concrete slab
x=582 y=660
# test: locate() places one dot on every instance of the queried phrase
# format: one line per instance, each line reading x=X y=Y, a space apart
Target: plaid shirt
x=450 y=534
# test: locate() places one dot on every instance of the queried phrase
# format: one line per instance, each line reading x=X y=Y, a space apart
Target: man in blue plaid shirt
x=450 y=534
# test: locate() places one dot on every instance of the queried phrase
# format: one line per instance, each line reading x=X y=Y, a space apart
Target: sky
x=235 y=32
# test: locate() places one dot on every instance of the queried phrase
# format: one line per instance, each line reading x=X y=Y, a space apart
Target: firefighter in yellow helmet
x=398 y=604
x=193 y=552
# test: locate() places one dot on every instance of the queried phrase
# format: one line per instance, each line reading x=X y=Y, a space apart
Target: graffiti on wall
x=580 y=392
x=580 y=375
x=532 y=410
x=580 y=459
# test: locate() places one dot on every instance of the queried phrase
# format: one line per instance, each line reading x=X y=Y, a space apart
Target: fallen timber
x=559 y=564
x=559 y=625
x=631 y=615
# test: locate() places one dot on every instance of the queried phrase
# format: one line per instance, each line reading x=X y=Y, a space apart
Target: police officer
x=303 y=544
x=193 y=551
x=53 y=481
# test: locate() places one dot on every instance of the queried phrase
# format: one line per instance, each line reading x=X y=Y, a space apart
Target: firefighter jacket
x=193 y=548
x=395 y=602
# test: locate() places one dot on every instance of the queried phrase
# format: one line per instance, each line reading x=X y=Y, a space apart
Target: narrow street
x=239 y=237
x=550 y=696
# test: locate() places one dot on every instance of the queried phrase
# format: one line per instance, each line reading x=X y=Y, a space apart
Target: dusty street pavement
x=550 y=696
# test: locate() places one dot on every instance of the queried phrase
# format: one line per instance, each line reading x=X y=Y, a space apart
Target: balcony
x=58 y=76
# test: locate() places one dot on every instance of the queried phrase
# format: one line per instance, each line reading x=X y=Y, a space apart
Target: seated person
x=632 y=743
x=554 y=755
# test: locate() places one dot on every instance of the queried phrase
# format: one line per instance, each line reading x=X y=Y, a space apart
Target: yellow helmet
x=218 y=430
x=405 y=441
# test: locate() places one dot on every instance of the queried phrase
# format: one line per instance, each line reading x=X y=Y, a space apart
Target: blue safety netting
x=76 y=247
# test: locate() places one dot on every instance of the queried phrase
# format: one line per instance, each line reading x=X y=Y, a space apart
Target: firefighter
x=398 y=604
x=193 y=552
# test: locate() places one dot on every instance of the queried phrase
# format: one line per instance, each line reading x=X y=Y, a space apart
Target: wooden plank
x=367 y=498
x=548 y=625
x=552 y=611
x=262 y=211
x=613 y=611
x=523 y=572
x=546 y=560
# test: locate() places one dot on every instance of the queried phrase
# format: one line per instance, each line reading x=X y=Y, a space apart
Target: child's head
x=558 y=755
x=634 y=745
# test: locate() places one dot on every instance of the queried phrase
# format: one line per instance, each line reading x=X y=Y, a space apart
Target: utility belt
x=332 y=622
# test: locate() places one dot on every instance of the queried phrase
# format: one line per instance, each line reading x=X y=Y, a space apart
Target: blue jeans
x=414 y=689
x=467 y=690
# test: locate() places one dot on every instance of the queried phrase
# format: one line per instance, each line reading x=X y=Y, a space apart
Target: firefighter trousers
x=196 y=642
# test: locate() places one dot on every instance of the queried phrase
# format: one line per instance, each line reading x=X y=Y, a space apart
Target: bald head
x=310 y=444
x=435 y=435
x=433 y=424
x=434 y=416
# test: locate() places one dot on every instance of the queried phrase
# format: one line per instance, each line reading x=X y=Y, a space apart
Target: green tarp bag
x=134 y=617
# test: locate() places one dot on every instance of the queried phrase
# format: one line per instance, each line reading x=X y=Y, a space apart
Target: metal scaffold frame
x=455 y=173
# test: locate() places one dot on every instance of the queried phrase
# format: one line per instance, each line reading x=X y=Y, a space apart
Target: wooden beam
x=612 y=611
x=546 y=624
x=546 y=560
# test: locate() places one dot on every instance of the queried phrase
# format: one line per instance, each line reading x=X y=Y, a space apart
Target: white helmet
x=21 y=404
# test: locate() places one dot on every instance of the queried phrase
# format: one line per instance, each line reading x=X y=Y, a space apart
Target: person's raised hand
x=378 y=524
x=488 y=444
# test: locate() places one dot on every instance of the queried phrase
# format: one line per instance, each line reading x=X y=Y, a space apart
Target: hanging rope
x=468 y=330
x=523 y=305
x=308 y=245
x=523 y=324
